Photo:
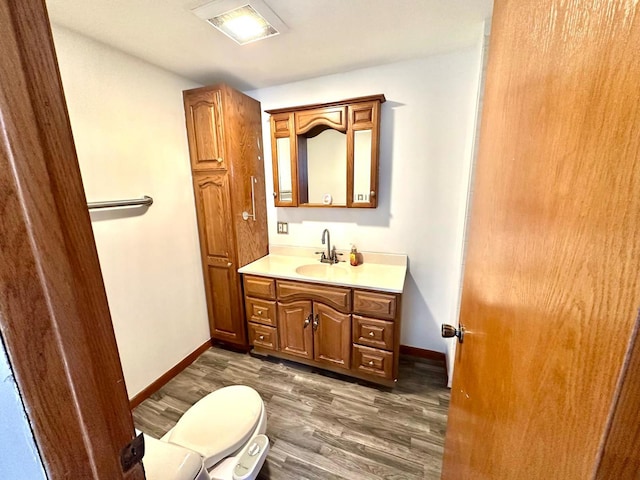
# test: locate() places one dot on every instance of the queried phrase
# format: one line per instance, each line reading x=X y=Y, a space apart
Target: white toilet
x=221 y=437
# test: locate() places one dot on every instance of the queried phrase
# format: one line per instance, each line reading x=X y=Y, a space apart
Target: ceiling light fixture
x=244 y=21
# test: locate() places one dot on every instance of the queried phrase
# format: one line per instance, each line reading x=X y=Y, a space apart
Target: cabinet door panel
x=204 y=128
x=332 y=338
x=296 y=338
x=226 y=320
x=213 y=209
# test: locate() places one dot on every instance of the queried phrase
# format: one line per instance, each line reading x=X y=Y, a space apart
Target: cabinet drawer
x=261 y=311
x=372 y=361
x=381 y=305
x=372 y=332
x=260 y=287
x=336 y=297
x=262 y=336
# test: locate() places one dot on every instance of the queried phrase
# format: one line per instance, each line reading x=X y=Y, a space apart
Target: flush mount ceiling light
x=244 y=21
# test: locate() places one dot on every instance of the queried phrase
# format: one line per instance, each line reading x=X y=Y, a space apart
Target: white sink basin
x=322 y=270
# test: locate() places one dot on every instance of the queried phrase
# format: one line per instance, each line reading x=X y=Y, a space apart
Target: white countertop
x=379 y=271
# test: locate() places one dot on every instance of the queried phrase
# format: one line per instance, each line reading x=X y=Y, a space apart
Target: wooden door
x=332 y=337
x=203 y=110
x=551 y=286
x=222 y=285
x=54 y=317
x=295 y=329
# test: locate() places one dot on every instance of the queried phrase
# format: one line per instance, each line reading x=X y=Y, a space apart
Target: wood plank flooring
x=321 y=425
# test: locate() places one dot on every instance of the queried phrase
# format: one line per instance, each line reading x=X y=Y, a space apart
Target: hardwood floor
x=323 y=426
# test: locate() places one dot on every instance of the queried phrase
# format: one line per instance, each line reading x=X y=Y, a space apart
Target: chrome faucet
x=331 y=256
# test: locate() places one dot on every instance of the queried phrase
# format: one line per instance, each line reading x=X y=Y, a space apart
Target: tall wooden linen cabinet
x=227 y=165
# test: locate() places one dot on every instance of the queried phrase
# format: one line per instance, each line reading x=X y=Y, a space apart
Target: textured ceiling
x=324 y=37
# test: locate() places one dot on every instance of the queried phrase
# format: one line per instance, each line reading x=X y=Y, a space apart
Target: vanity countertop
x=379 y=271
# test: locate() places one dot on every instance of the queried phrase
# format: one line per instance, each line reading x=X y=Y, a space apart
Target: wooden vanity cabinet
x=224 y=134
x=351 y=331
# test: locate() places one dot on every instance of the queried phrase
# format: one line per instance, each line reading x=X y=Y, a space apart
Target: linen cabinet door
x=224 y=298
x=332 y=336
x=203 y=111
x=294 y=325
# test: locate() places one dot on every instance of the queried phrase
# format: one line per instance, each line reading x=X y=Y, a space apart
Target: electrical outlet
x=283 y=227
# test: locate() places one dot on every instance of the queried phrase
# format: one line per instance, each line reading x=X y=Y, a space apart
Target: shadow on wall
x=376 y=217
x=414 y=307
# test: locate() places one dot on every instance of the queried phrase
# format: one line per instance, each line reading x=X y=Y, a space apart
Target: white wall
x=425 y=156
x=128 y=124
x=19 y=456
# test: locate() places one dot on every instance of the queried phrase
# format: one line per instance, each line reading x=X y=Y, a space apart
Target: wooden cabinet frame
x=345 y=330
x=346 y=116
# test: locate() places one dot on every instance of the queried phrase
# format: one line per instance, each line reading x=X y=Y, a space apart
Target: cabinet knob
x=229 y=264
x=275 y=194
x=372 y=193
x=261 y=337
x=371 y=363
x=259 y=312
x=219 y=159
x=371 y=334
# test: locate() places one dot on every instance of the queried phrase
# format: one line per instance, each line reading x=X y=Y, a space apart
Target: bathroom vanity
x=338 y=317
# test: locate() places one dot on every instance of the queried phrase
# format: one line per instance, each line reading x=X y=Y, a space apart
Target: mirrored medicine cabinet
x=326 y=155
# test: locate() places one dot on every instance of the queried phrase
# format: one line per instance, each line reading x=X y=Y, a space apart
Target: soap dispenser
x=353 y=256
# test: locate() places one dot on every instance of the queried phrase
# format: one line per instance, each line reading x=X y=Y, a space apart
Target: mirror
x=285 y=183
x=326 y=155
x=361 y=166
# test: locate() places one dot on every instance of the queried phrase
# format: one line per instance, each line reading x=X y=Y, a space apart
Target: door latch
x=132 y=453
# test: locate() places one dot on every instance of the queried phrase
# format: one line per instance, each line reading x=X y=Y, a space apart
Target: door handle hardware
x=247 y=215
x=316 y=320
x=307 y=320
x=451 y=331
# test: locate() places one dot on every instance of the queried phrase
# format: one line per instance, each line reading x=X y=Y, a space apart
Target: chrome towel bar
x=134 y=202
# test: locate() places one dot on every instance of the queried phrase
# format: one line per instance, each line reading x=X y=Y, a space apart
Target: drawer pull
x=261 y=337
x=259 y=312
x=371 y=363
x=371 y=334
x=219 y=160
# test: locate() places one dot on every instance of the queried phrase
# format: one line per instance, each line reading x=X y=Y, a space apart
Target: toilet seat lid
x=166 y=461
x=219 y=424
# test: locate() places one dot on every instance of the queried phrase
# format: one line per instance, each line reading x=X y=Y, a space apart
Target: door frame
x=54 y=317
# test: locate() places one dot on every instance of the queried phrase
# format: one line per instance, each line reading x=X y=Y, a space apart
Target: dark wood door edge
x=54 y=317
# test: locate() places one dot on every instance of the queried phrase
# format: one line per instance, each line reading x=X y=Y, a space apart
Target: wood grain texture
x=203 y=111
x=337 y=297
x=551 y=284
x=221 y=119
x=323 y=426
x=261 y=311
x=298 y=123
x=296 y=333
x=243 y=141
x=381 y=305
x=620 y=457
x=54 y=317
x=282 y=126
x=260 y=287
x=320 y=119
x=332 y=337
